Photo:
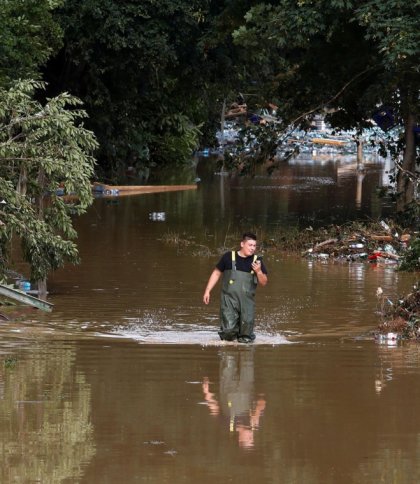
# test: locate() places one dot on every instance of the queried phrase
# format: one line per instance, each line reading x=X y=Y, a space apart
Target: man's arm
x=214 y=278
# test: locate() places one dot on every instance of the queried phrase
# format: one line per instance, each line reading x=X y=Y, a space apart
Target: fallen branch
x=382 y=238
x=326 y=242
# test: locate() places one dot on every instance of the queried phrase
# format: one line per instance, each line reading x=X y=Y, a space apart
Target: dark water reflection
x=308 y=190
x=126 y=381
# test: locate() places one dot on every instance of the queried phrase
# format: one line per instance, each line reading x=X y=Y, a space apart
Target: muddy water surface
x=126 y=381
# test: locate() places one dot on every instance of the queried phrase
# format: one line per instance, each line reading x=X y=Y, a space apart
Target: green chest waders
x=237 y=306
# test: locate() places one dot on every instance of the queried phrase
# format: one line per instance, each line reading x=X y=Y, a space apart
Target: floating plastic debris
x=390 y=339
x=384 y=225
x=157 y=216
x=24 y=286
x=113 y=191
x=356 y=246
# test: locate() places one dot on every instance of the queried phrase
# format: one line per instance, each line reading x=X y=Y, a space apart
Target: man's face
x=248 y=247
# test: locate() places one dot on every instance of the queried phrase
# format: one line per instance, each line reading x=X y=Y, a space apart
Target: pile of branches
x=401 y=317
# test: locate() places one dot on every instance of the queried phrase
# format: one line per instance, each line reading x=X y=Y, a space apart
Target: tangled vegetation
x=400 y=317
x=411 y=260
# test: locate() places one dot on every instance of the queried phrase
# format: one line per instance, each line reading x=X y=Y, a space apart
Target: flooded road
x=126 y=380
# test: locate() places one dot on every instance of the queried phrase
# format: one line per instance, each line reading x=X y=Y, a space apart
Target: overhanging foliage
x=43 y=148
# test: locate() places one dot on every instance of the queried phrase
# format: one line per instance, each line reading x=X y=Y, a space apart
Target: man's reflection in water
x=236 y=400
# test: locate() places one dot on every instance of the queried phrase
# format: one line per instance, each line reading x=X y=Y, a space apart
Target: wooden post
x=222 y=125
x=359 y=144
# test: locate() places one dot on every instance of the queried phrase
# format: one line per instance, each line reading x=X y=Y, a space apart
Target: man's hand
x=214 y=277
x=256 y=266
x=262 y=278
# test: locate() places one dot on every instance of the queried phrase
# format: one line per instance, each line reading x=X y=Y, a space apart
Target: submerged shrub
x=411 y=258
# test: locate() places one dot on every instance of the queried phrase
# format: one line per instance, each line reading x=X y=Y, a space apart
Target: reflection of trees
x=46 y=435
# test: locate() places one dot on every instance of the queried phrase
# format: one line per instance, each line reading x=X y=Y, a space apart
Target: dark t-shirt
x=242 y=263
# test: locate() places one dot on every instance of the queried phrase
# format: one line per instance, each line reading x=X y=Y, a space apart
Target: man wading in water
x=242 y=270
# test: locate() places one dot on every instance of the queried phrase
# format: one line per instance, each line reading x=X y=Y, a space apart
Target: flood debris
x=373 y=242
x=376 y=243
x=400 y=318
x=171 y=452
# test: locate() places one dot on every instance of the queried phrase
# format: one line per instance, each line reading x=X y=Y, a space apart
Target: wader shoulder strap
x=233 y=260
x=233 y=271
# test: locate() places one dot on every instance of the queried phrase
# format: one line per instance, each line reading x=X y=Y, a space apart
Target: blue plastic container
x=25 y=286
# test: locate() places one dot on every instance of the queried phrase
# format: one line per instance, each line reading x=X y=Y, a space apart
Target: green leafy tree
x=43 y=149
x=344 y=58
x=28 y=36
x=153 y=74
x=133 y=64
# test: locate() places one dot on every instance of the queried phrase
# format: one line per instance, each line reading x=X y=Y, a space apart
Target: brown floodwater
x=125 y=381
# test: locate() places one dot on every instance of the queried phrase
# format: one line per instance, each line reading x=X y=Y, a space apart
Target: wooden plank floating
x=124 y=190
x=329 y=141
x=24 y=298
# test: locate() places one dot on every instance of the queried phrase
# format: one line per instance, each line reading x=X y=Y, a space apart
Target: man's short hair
x=249 y=236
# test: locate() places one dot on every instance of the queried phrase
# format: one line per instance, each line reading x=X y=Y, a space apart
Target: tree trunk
x=41 y=283
x=222 y=126
x=22 y=184
x=42 y=289
x=406 y=173
x=406 y=168
x=41 y=197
